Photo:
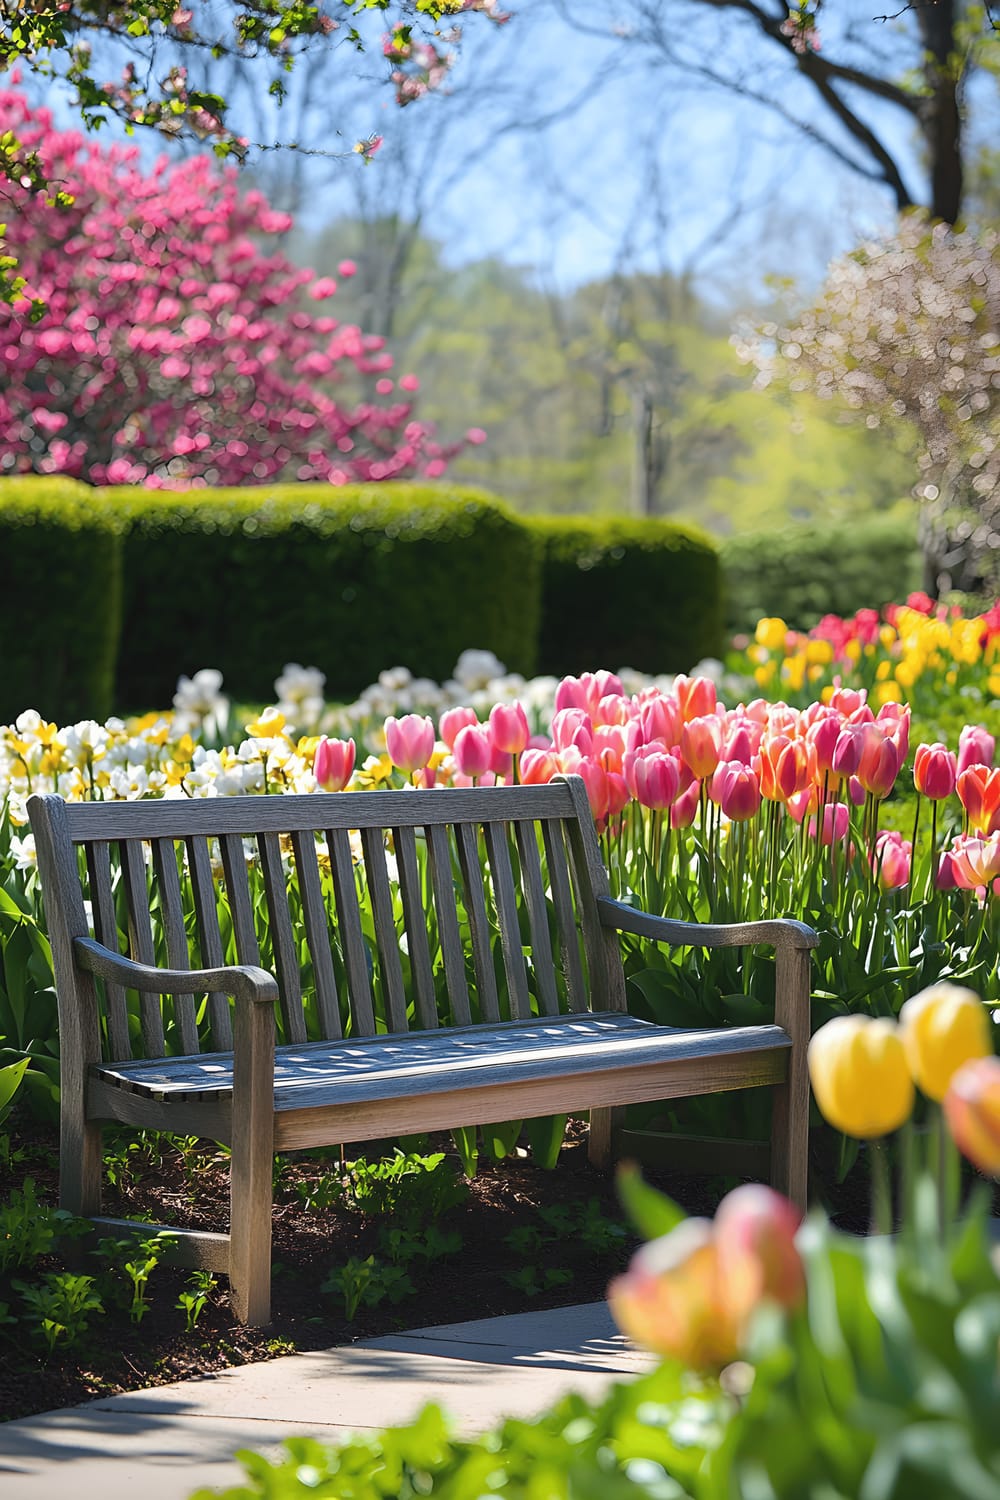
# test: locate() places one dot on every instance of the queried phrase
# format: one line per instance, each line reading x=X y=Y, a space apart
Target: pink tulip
x=978 y=789
x=473 y=750
x=595 y=779
x=605 y=684
x=685 y=807
x=836 y=822
x=822 y=735
x=755 y=1230
x=655 y=780
x=671 y=1299
x=975 y=862
x=502 y=763
x=661 y=721
x=976 y=747
x=454 y=719
x=848 y=750
x=609 y=746
x=934 y=771
x=333 y=765
x=701 y=745
x=972 y=1109
x=509 y=727
x=571 y=692
x=848 y=700
x=572 y=726
x=803 y=803
x=409 y=741
x=945 y=879
x=618 y=793
x=740 y=792
x=613 y=709
x=893 y=855
x=739 y=745
x=894 y=721
x=538 y=767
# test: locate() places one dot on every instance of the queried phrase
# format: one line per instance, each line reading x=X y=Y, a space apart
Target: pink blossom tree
x=156 y=342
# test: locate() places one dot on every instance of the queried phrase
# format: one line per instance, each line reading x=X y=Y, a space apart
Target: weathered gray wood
x=562 y=899
x=386 y=939
x=234 y=864
x=140 y=937
x=604 y=962
x=352 y=940
x=102 y=903
x=783 y=933
x=286 y=953
x=790 y=1121
x=251 y=1173
x=479 y=923
x=602 y=1138
x=452 y=952
x=198 y=1248
x=317 y=932
x=542 y=965
x=415 y=923
x=505 y=896
x=80 y=1165
x=248 y=816
x=209 y=936
x=175 y=937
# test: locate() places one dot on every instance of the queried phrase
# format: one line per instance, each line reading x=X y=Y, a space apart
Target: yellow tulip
x=943 y=1027
x=859 y=1076
x=771 y=632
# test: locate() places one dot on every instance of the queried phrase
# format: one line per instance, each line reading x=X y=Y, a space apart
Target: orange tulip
x=701 y=745
x=696 y=697
x=671 y=1299
x=972 y=1109
x=979 y=792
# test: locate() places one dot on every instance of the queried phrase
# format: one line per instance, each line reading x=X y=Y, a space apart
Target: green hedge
x=803 y=572
x=627 y=593
x=60 y=600
x=351 y=579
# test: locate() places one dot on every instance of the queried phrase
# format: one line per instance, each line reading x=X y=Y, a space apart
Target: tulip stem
x=881 y=1216
x=948 y=1184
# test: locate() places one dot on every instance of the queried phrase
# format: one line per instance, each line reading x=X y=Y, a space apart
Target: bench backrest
x=376 y=911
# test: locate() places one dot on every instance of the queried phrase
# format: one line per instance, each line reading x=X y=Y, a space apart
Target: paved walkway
x=161 y=1444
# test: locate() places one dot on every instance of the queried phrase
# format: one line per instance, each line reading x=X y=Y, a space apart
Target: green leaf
x=652 y=1212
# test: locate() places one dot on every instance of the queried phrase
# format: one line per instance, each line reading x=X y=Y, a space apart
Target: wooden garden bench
x=477 y=979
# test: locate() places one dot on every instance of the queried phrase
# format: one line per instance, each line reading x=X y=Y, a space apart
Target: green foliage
x=132 y=1262
x=193 y=1301
x=29 y=1229
x=643 y=594
x=803 y=572
x=62 y=1304
x=60 y=586
x=418 y=1188
x=367 y=1283
x=347 y=578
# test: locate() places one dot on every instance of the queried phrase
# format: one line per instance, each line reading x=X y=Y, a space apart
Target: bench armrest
x=244 y=982
x=780 y=933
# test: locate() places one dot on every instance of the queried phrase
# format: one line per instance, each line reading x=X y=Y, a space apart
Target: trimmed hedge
x=627 y=593
x=350 y=579
x=803 y=572
x=60 y=600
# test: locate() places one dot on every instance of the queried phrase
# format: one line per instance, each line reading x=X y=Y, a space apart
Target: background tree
x=909 y=330
x=172 y=348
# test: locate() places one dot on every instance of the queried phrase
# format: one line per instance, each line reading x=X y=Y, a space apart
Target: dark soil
x=184 y=1184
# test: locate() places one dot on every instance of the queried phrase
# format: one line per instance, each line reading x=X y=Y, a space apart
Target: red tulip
x=934 y=771
x=978 y=788
x=333 y=765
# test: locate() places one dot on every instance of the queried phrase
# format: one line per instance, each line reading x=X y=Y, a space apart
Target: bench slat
x=178 y=957
x=452 y=952
x=380 y=893
x=479 y=922
x=140 y=937
x=286 y=953
x=437 y=1062
x=562 y=900
x=538 y=919
x=352 y=940
x=498 y=853
x=415 y=922
x=210 y=938
x=106 y=931
x=317 y=932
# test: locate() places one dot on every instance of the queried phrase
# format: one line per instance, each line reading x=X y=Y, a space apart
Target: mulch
x=190 y=1187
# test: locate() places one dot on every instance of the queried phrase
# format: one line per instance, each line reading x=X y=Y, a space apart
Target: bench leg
x=604 y=1126
x=81 y=1165
x=790 y=1122
x=251 y=1172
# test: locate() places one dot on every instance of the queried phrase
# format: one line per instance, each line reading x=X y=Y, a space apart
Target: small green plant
x=10 y=1082
x=28 y=1229
x=126 y=1152
x=403 y=1246
x=420 y=1187
x=326 y=1192
x=585 y=1222
x=193 y=1302
x=533 y=1281
x=62 y=1303
x=136 y=1259
x=526 y=1240
x=367 y=1283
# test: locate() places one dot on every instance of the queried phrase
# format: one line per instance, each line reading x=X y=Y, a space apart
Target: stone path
x=163 y=1443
